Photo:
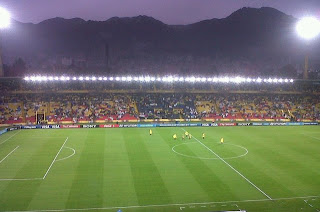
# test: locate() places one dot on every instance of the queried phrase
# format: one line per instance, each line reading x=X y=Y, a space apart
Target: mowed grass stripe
x=149 y=185
x=263 y=166
x=118 y=184
x=87 y=186
x=279 y=169
x=31 y=160
x=288 y=166
x=54 y=191
x=225 y=182
x=177 y=178
x=211 y=184
x=17 y=195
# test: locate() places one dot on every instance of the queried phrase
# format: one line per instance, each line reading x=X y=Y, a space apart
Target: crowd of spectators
x=166 y=106
x=253 y=106
x=106 y=107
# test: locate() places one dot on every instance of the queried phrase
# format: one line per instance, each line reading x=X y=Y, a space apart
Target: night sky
x=168 y=11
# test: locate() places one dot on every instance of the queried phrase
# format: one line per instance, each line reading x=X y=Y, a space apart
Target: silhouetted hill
x=248 y=34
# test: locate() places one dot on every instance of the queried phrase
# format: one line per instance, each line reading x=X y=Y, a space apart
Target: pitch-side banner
x=69 y=126
x=3 y=131
x=109 y=125
x=227 y=124
x=89 y=126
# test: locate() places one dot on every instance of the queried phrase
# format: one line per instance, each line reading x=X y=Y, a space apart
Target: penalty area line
x=45 y=175
x=10 y=137
x=232 y=167
x=9 y=154
x=166 y=205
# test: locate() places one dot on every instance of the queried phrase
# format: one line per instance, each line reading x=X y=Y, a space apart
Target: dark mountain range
x=245 y=41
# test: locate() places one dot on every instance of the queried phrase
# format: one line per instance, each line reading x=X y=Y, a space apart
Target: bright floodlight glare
x=308 y=28
x=4 y=18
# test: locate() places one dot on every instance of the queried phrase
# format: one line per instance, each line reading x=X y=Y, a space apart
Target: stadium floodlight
x=5 y=18
x=171 y=79
x=147 y=79
x=224 y=79
x=308 y=28
x=141 y=79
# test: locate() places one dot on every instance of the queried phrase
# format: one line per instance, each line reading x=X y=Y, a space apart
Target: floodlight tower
x=308 y=28
x=4 y=23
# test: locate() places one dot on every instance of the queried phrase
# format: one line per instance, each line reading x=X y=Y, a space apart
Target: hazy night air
x=168 y=11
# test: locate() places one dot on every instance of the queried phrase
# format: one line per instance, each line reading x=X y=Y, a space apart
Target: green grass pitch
x=256 y=169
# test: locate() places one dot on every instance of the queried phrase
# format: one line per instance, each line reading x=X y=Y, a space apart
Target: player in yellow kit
x=203 y=136
x=190 y=136
x=174 y=136
x=187 y=134
x=183 y=137
x=221 y=141
x=150 y=132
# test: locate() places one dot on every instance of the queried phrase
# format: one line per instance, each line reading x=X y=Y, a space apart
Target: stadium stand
x=88 y=102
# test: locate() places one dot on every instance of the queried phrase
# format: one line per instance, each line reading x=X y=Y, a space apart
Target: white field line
x=10 y=137
x=74 y=152
x=45 y=175
x=311 y=136
x=9 y=154
x=233 y=168
x=204 y=158
x=165 y=205
x=17 y=179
